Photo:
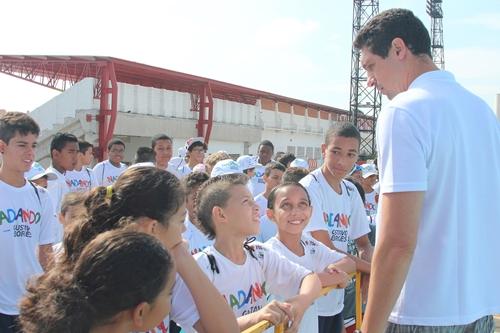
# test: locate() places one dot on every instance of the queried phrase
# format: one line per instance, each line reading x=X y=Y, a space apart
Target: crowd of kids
x=193 y=243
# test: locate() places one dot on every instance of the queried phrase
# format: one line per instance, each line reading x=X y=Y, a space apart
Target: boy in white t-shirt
x=265 y=152
x=195 y=151
x=246 y=274
x=107 y=172
x=289 y=207
x=162 y=147
x=26 y=216
x=338 y=212
x=196 y=239
x=64 y=153
x=82 y=178
x=272 y=178
x=369 y=179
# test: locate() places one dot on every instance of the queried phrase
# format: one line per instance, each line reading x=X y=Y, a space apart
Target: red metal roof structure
x=61 y=72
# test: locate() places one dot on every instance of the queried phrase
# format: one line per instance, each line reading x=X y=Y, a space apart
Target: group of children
x=157 y=245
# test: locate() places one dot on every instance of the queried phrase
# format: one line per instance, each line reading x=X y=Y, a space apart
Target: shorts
x=482 y=325
x=331 y=324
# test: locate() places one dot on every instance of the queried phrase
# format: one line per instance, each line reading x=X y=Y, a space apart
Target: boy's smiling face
x=19 y=152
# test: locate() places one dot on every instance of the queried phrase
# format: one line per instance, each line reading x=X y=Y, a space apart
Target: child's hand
x=276 y=312
x=299 y=307
x=338 y=277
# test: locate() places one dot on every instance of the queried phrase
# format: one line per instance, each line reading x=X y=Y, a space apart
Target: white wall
x=78 y=97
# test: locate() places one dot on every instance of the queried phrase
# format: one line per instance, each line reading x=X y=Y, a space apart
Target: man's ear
x=2 y=146
x=399 y=46
x=323 y=150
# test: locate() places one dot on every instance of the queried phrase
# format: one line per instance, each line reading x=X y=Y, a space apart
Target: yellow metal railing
x=264 y=325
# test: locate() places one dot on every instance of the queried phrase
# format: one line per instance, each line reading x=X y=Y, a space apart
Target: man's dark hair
x=115 y=141
x=286 y=159
x=60 y=140
x=343 y=129
x=266 y=143
x=378 y=34
x=144 y=154
x=17 y=122
x=158 y=137
x=83 y=146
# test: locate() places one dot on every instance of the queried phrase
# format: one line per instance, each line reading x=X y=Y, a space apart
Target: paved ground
x=497 y=324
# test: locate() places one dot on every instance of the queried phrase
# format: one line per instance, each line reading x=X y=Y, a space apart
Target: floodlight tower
x=434 y=10
x=365 y=102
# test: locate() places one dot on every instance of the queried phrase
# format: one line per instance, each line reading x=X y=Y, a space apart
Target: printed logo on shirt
x=20 y=220
x=78 y=183
x=369 y=206
x=338 y=226
x=198 y=249
x=256 y=292
x=20 y=216
x=111 y=179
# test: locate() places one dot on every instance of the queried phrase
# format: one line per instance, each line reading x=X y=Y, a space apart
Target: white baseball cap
x=225 y=167
x=247 y=162
x=369 y=170
x=37 y=171
x=299 y=163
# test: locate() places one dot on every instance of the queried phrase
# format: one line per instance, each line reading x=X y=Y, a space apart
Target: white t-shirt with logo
x=196 y=239
x=316 y=258
x=81 y=181
x=371 y=205
x=258 y=184
x=246 y=287
x=25 y=223
x=106 y=173
x=342 y=215
x=262 y=202
x=439 y=138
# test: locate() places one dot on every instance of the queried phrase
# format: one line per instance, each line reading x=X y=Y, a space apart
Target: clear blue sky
x=299 y=49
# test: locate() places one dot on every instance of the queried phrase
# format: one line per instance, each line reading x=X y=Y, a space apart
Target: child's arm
x=310 y=289
x=215 y=314
x=274 y=312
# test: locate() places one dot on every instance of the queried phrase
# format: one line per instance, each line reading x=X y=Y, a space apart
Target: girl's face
x=291 y=211
x=241 y=211
x=170 y=232
x=160 y=308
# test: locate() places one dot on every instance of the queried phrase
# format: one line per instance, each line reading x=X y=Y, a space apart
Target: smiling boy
x=26 y=216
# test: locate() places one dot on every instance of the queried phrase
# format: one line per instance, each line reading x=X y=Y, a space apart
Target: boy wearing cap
x=107 y=172
x=368 y=181
x=38 y=175
x=82 y=178
x=196 y=149
x=26 y=216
